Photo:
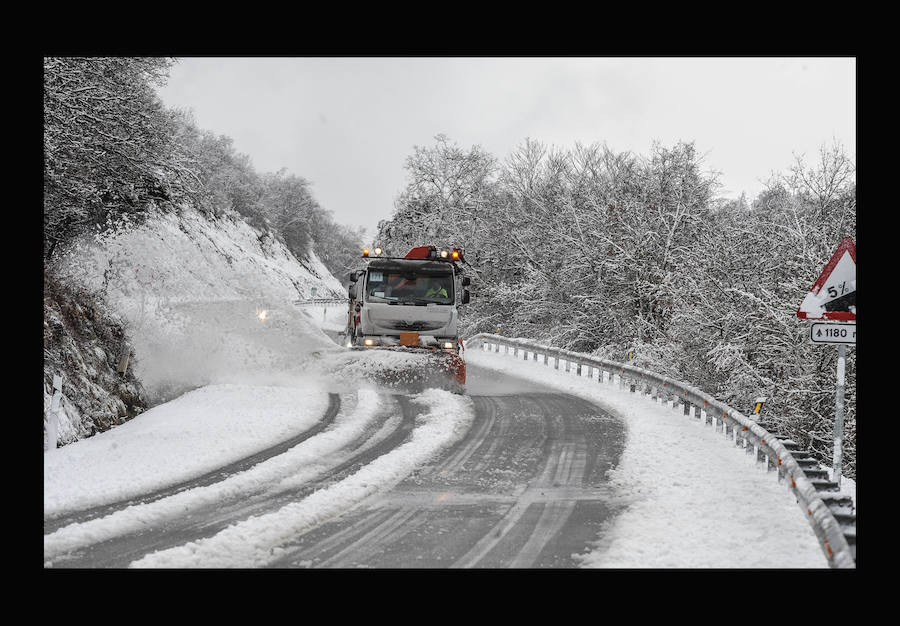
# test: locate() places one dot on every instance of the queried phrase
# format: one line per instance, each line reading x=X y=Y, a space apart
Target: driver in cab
x=436 y=289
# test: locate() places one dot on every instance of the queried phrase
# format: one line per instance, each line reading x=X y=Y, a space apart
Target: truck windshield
x=408 y=288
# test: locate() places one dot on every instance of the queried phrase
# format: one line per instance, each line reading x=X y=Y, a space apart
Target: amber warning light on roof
x=421 y=252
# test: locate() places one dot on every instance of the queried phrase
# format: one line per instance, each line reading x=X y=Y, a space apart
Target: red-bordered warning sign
x=833 y=295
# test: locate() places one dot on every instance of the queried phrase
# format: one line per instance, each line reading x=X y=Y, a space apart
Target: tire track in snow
x=261 y=541
x=125 y=534
x=334 y=405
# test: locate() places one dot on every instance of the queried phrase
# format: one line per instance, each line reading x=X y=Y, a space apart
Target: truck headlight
x=447 y=345
x=369 y=342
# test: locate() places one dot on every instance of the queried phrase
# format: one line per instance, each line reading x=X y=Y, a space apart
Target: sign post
x=839 y=414
x=832 y=299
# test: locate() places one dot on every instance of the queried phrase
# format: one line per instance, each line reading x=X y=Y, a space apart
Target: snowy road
x=522 y=485
x=524 y=488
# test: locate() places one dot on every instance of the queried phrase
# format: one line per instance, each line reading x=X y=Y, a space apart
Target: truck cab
x=410 y=301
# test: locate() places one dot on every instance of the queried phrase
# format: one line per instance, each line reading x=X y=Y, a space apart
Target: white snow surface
x=190 y=291
x=175 y=441
x=693 y=499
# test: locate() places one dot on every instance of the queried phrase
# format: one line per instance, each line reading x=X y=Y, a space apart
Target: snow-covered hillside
x=192 y=292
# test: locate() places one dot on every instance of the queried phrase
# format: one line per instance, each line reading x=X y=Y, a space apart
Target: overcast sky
x=348 y=124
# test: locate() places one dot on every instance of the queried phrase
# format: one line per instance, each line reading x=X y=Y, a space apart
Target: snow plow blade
x=415 y=369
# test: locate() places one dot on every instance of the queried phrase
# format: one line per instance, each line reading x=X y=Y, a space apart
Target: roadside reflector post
x=757 y=408
x=53 y=421
x=124 y=357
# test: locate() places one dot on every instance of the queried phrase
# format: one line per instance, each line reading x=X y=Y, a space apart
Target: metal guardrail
x=830 y=513
x=322 y=302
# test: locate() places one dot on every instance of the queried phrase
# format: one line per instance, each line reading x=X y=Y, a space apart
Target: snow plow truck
x=409 y=304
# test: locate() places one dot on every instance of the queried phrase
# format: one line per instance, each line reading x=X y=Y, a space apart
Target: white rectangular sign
x=832 y=332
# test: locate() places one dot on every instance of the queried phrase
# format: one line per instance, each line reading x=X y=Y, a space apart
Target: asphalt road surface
x=525 y=488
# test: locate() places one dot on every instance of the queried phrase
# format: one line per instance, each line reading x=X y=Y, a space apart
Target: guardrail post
x=556 y=361
x=750 y=445
x=740 y=434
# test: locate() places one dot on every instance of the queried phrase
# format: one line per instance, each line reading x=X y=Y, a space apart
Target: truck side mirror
x=351 y=291
x=465 y=296
x=466 y=281
x=354 y=277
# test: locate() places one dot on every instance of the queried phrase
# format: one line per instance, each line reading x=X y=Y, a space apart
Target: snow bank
x=258 y=541
x=691 y=499
x=191 y=291
x=197 y=433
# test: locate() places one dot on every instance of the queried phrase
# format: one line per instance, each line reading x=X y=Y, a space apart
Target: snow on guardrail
x=321 y=302
x=830 y=513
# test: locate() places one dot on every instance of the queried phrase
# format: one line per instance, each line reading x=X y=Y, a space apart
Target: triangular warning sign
x=833 y=295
